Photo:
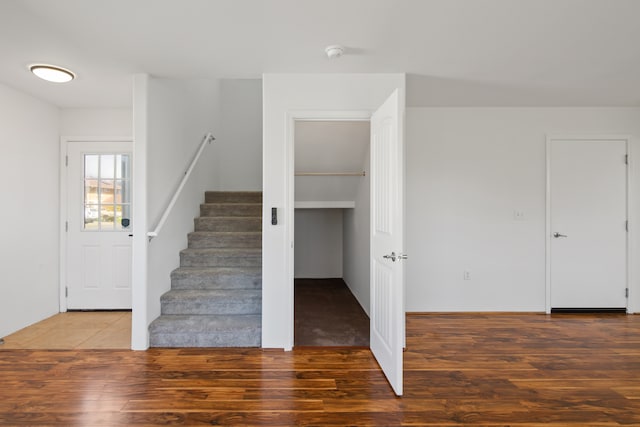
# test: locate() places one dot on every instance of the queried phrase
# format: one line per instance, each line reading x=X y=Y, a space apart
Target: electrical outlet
x=518 y=215
x=466 y=275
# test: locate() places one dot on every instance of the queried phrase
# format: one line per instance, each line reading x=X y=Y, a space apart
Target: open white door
x=387 y=287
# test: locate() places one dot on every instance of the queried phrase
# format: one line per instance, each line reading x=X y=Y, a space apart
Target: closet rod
x=363 y=173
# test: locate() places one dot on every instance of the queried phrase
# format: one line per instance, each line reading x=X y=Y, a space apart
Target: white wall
x=181 y=112
x=29 y=235
x=96 y=122
x=318 y=243
x=178 y=114
x=283 y=94
x=239 y=144
x=357 y=239
x=139 y=267
x=329 y=147
x=468 y=169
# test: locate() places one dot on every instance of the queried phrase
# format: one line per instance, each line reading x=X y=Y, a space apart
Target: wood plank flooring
x=474 y=370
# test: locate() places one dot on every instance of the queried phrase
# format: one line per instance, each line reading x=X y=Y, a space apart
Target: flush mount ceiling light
x=52 y=73
x=334 y=51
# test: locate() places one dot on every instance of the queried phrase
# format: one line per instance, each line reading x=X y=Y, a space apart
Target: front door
x=387 y=287
x=99 y=225
x=587 y=223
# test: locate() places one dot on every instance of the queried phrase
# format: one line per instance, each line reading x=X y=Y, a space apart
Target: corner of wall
x=139 y=330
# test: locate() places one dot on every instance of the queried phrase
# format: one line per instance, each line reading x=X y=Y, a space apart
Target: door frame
x=579 y=137
x=289 y=215
x=62 y=266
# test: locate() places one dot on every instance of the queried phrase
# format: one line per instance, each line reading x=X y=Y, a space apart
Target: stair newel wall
x=171 y=116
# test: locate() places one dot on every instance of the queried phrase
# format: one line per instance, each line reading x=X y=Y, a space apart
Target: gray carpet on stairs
x=216 y=294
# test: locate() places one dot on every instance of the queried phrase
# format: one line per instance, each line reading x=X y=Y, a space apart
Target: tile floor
x=75 y=330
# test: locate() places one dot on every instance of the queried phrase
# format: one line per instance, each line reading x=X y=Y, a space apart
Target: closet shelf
x=362 y=173
x=322 y=204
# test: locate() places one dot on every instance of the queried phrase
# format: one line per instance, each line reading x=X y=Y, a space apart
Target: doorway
x=95 y=248
x=587 y=228
x=331 y=255
x=386 y=232
x=97 y=225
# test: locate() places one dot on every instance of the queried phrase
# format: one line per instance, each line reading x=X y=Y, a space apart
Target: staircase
x=216 y=294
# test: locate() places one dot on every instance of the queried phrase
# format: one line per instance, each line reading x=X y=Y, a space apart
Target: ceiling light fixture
x=52 y=73
x=334 y=51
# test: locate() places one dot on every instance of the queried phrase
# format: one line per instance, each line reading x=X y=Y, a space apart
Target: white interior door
x=387 y=287
x=98 y=242
x=588 y=213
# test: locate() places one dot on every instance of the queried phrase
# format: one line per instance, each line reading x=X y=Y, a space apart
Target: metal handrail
x=208 y=138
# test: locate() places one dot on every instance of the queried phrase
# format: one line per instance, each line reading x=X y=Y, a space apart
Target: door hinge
x=626 y=226
x=626 y=159
x=66 y=160
x=626 y=293
x=66 y=291
x=66 y=226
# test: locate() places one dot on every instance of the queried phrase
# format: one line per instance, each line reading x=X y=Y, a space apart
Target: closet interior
x=331 y=257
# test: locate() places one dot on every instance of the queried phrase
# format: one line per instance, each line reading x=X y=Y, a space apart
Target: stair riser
x=209 y=260
x=204 y=240
x=232 y=197
x=228 y=224
x=236 y=209
x=218 y=339
x=235 y=280
x=219 y=307
x=206 y=331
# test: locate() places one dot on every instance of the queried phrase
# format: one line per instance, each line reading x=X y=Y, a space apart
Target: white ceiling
x=456 y=52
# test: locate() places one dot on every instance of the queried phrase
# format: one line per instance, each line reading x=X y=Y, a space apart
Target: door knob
x=393 y=256
x=556 y=235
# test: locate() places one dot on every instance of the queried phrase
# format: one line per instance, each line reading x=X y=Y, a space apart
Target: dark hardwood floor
x=480 y=369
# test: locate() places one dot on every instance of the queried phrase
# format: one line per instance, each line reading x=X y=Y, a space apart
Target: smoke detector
x=334 y=51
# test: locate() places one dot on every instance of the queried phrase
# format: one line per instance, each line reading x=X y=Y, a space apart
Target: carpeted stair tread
x=231 y=209
x=206 y=331
x=221 y=257
x=228 y=223
x=216 y=278
x=224 y=239
x=233 y=197
x=211 y=301
x=216 y=294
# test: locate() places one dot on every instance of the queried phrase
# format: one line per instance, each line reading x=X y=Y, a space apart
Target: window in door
x=107 y=192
